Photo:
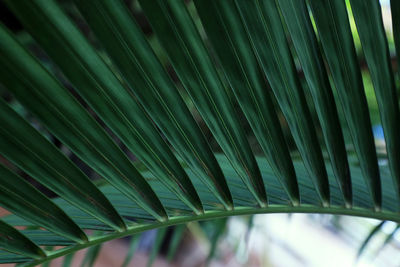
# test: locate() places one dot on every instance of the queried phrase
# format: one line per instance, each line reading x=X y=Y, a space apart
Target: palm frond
x=238 y=62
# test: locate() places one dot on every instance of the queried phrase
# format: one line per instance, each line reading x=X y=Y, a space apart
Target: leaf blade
x=33 y=86
x=337 y=41
x=21 y=198
x=133 y=245
x=240 y=68
x=395 y=10
x=114 y=104
x=176 y=238
x=275 y=61
x=29 y=150
x=368 y=18
x=156 y=246
x=305 y=43
x=366 y=241
x=178 y=35
x=127 y=46
x=14 y=241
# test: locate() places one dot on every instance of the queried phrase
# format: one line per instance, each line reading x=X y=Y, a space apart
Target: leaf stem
x=209 y=215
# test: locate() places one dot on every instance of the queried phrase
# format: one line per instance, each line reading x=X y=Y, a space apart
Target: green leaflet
x=361 y=204
x=229 y=39
x=267 y=38
x=389 y=238
x=105 y=94
x=133 y=245
x=48 y=249
x=68 y=260
x=368 y=18
x=219 y=230
x=21 y=198
x=395 y=10
x=46 y=238
x=14 y=241
x=304 y=40
x=178 y=35
x=156 y=246
x=91 y=256
x=250 y=225
x=130 y=51
x=364 y=244
x=8 y=257
x=176 y=238
x=33 y=86
x=335 y=34
x=28 y=149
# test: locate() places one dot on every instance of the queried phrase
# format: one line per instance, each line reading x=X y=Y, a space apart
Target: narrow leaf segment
x=21 y=198
x=368 y=18
x=228 y=37
x=333 y=26
x=38 y=91
x=32 y=152
x=94 y=80
x=262 y=32
x=178 y=35
x=305 y=43
x=14 y=241
x=131 y=53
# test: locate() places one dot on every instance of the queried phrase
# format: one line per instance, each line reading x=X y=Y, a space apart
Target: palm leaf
x=155 y=90
x=367 y=240
x=133 y=245
x=338 y=46
x=238 y=68
x=14 y=241
x=177 y=236
x=200 y=78
x=91 y=255
x=116 y=106
x=305 y=43
x=156 y=246
x=241 y=70
x=369 y=22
